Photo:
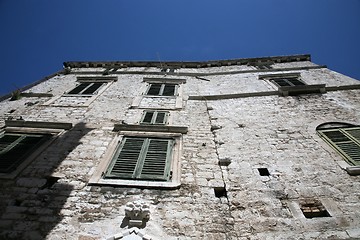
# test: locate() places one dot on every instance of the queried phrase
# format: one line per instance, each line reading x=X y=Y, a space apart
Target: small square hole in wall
x=312 y=208
x=220 y=192
x=263 y=172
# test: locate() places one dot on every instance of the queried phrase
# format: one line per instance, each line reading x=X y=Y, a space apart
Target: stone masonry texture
x=228 y=139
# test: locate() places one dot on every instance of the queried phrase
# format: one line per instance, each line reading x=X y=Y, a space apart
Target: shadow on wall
x=32 y=204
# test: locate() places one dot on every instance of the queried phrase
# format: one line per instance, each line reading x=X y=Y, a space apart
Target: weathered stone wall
x=51 y=198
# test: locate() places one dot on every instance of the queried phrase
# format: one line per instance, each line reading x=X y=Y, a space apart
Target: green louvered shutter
x=157 y=160
x=142 y=158
x=126 y=159
x=346 y=141
x=14 y=148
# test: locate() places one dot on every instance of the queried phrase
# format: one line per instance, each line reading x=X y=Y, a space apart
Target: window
x=291 y=84
x=164 y=89
x=142 y=158
x=22 y=141
x=264 y=66
x=87 y=88
x=154 y=117
x=281 y=82
x=15 y=147
x=312 y=208
x=344 y=138
x=168 y=70
x=86 y=91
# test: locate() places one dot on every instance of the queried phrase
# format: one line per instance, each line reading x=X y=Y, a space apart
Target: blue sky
x=38 y=36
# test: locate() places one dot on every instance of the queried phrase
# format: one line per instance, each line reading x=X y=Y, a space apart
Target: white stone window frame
x=106 y=80
x=97 y=177
x=178 y=92
x=55 y=129
x=292 y=90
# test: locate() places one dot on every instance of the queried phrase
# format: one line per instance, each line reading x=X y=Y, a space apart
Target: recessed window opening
x=87 y=88
x=15 y=147
x=282 y=82
x=312 y=208
x=154 y=117
x=263 y=172
x=161 y=89
x=220 y=192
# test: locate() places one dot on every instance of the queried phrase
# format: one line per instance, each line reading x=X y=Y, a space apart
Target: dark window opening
x=282 y=82
x=312 y=208
x=154 y=89
x=220 y=192
x=154 y=117
x=263 y=172
x=86 y=88
x=158 y=89
x=14 y=148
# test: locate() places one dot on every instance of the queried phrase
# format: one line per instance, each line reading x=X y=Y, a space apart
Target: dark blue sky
x=38 y=36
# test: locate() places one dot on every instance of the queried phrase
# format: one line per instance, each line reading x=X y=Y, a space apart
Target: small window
x=312 y=208
x=154 y=117
x=264 y=66
x=168 y=70
x=282 y=82
x=15 y=147
x=291 y=84
x=344 y=138
x=161 y=89
x=87 y=88
x=143 y=159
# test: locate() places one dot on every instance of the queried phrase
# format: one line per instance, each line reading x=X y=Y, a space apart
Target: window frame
x=343 y=148
x=154 y=117
x=51 y=129
x=293 y=89
x=178 y=95
x=81 y=92
x=175 y=163
x=106 y=82
x=162 y=89
x=142 y=160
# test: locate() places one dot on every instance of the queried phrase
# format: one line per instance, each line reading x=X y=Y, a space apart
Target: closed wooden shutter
x=346 y=141
x=156 y=164
x=142 y=158
x=14 y=148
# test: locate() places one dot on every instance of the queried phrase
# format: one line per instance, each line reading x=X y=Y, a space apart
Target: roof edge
x=186 y=64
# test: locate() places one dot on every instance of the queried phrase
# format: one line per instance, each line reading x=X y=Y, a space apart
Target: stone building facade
x=260 y=148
